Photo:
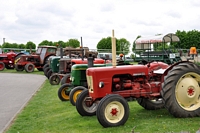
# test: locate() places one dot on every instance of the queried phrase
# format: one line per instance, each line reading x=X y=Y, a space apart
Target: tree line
x=187 y=40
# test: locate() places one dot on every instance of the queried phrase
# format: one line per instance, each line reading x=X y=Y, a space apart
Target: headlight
x=101 y=84
x=72 y=79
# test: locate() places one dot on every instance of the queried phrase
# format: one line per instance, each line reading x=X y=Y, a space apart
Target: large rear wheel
x=181 y=90
x=63 y=92
x=112 y=111
x=84 y=106
x=2 y=66
x=73 y=95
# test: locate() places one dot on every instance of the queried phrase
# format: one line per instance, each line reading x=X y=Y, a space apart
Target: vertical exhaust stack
x=113 y=49
x=82 y=49
x=61 y=51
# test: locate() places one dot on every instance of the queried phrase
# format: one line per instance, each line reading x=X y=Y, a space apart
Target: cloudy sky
x=53 y=20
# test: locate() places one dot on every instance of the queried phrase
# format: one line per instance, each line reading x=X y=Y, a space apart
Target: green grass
x=45 y=113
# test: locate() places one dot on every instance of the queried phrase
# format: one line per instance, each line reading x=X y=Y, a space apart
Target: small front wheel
x=112 y=111
x=65 y=79
x=29 y=67
x=2 y=66
x=75 y=93
x=54 y=79
x=84 y=106
x=63 y=92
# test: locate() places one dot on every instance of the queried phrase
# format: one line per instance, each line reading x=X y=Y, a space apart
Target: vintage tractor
x=7 y=60
x=65 y=69
x=37 y=60
x=65 y=65
x=154 y=85
x=78 y=82
x=71 y=90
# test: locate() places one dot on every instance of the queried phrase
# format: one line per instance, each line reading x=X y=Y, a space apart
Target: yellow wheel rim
x=114 y=112
x=64 y=95
x=75 y=96
x=188 y=91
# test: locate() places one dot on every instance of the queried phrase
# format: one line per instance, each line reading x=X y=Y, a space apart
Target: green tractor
x=78 y=82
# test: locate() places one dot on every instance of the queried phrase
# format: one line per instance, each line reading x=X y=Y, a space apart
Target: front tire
x=19 y=67
x=54 y=79
x=63 y=92
x=112 y=111
x=85 y=107
x=2 y=66
x=29 y=67
x=181 y=90
x=65 y=79
x=75 y=93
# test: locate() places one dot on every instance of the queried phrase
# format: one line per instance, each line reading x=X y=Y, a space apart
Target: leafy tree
x=46 y=43
x=188 y=39
x=134 y=44
x=7 y=45
x=104 y=43
x=61 y=43
x=21 y=46
x=73 y=43
x=30 y=45
x=14 y=45
x=122 y=45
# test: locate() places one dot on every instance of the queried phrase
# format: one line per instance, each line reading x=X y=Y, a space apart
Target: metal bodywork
x=39 y=58
x=128 y=81
x=8 y=60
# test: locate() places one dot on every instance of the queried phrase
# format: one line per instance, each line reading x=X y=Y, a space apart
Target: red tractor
x=7 y=60
x=154 y=85
x=37 y=60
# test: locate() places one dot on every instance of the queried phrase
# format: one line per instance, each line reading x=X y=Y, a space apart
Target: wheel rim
x=30 y=67
x=188 y=91
x=91 y=108
x=55 y=79
x=76 y=95
x=114 y=112
x=64 y=94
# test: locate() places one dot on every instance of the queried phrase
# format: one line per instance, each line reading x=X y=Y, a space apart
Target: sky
x=53 y=20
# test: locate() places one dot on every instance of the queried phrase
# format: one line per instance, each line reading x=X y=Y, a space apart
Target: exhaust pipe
x=113 y=39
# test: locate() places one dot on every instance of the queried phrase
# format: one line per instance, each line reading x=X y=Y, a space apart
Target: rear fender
x=170 y=67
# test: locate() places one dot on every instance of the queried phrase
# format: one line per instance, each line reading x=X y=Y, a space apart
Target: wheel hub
x=114 y=112
x=188 y=92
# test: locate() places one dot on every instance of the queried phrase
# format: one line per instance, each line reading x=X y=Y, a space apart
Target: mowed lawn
x=45 y=113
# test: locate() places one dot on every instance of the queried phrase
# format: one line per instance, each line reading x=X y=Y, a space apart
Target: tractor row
x=7 y=60
x=153 y=84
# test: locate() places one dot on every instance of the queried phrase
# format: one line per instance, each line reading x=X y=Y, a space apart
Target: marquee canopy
x=170 y=37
